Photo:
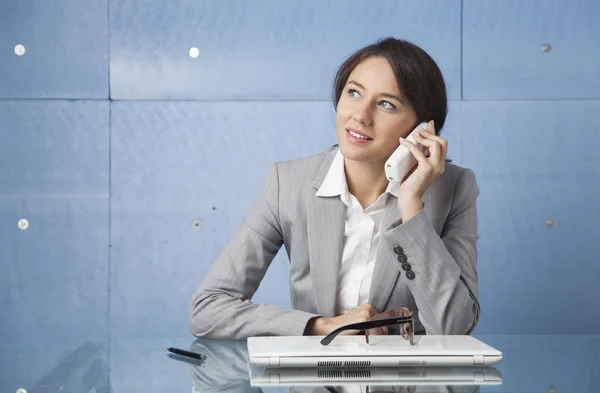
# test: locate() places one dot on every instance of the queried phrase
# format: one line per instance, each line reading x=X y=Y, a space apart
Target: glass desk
x=549 y=364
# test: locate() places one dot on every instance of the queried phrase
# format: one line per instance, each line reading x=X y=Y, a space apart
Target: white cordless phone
x=402 y=161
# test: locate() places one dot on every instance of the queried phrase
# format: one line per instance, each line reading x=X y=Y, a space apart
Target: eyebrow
x=400 y=99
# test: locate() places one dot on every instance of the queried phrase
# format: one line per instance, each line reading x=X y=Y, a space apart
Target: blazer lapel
x=386 y=272
x=325 y=227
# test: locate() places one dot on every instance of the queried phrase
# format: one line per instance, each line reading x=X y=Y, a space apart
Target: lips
x=357 y=133
x=357 y=138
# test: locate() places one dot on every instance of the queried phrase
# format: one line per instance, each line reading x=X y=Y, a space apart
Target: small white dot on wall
x=19 y=50
x=194 y=52
x=23 y=224
x=21 y=390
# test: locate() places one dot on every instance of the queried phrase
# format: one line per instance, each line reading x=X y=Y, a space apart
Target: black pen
x=192 y=355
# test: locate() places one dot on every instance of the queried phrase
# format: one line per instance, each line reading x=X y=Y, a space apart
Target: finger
x=437 y=146
x=420 y=137
x=418 y=154
x=368 y=309
x=434 y=146
x=431 y=127
x=429 y=136
x=372 y=311
x=414 y=168
x=381 y=331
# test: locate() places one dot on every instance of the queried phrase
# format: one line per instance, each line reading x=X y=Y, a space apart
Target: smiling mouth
x=358 y=136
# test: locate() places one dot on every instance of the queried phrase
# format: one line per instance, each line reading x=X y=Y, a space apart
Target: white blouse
x=362 y=232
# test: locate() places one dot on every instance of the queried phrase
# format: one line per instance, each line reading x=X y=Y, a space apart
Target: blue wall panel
x=503 y=55
x=534 y=162
x=265 y=49
x=55 y=159
x=55 y=273
x=554 y=139
x=536 y=278
x=66 y=49
x=54 y=147
x=174 y=163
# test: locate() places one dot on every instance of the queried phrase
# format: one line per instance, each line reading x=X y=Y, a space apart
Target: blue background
x=134 y=163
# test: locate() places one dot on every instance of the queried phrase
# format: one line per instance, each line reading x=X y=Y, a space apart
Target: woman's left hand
x=427 y=170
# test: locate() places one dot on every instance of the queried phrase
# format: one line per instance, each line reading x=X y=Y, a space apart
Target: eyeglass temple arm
x=364 y=326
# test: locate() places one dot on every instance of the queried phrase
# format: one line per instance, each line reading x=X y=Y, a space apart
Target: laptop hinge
x=276 y=378
x=274 y=361
x=478 y=377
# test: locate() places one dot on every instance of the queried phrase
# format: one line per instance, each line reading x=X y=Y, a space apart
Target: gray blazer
x=440 y=243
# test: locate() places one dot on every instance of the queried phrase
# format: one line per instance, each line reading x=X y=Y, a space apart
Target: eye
x=353 y=93
x=387 y=105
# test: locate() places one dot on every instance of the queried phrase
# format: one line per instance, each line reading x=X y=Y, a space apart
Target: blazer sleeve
x=222 y=306
x=445 y=285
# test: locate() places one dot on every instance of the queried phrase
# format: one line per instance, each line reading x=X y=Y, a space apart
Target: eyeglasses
x=399 y=316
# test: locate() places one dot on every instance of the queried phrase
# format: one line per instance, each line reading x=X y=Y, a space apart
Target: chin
x=370 y=154
x=355 y=153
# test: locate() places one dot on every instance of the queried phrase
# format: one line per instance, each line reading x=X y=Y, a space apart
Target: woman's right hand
x=323 y=326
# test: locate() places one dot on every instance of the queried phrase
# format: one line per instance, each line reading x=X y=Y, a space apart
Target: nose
x=362 y=114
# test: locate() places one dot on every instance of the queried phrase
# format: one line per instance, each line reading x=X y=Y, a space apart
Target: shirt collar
x=335 y=182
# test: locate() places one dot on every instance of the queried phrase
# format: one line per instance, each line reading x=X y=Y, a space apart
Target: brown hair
x=419 y=78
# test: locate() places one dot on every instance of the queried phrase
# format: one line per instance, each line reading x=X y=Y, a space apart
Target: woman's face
x=372 y=106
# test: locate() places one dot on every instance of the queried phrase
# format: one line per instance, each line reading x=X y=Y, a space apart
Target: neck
x=366 y=180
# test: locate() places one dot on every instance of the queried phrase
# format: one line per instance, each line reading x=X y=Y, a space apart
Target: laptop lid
x=383 y=351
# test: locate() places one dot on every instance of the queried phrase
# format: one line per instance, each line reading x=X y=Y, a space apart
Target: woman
x=358 y=244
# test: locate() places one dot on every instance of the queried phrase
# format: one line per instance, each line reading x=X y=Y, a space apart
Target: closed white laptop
x=383 y=351
x=376 y=376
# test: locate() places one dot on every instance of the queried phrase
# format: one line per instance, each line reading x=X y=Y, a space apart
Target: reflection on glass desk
x=376 y=376
x=548 y=364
